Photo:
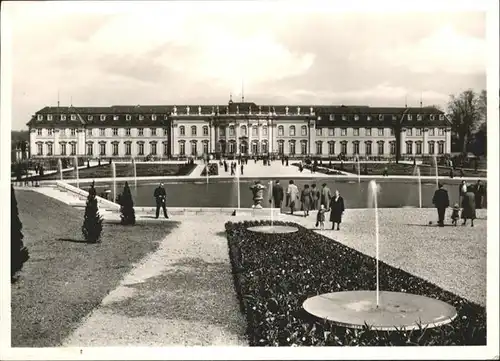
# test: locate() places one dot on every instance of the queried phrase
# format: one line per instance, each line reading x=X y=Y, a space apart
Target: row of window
x=103 y=132
x=103 y=149
x=381 y=117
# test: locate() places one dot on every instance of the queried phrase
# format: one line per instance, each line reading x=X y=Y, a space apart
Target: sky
x=102 y=54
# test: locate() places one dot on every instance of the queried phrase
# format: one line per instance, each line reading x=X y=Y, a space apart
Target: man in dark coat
x=337 y=208
x=441 y=201
x=161 y=200
x=479 y=194
x=277 y=195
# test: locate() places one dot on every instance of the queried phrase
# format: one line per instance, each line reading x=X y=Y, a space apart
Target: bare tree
x=464 y=111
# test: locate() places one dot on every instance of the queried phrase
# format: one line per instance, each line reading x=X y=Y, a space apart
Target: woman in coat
x=306 y=199
x=337 y=208
x=469 y=206
x=315 y=194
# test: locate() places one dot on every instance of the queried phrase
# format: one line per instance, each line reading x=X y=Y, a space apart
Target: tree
x=465 y=112
x=92 y=222
x=18 y=253
x=127 y=206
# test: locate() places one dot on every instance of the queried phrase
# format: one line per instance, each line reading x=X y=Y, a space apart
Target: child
x=320 y=218
x=455 y=214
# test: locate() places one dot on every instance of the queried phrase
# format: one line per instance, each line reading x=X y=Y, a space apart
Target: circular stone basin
x=353 y=309
x=273 y=229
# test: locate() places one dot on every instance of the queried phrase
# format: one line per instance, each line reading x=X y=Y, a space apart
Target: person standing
x=306 y=199
x=462 y=189
x=161 y=200
x=337 y=208
x=277 y=195
x=241 y=168
x=293 y=195
x=479 y=194
x=469 y=206
x=441 y=201
x=315 y=195
x=326 y=195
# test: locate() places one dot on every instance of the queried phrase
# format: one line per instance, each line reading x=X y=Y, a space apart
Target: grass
x=66 y=278
x=126 y=170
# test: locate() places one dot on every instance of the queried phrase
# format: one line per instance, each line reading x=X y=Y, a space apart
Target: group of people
x=311 y=198
x=471 y=197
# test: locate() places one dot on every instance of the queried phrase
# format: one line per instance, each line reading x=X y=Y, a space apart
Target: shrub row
x=274 y=274
x=213 y=169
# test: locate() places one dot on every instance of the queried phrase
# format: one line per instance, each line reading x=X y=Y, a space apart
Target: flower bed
x=321 y=169
x=213 y=169
x=274 y=274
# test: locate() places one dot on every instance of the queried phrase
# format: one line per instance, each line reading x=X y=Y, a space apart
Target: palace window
x=102 y=149
x=303 y=130
x=343 y=131
x=115 y=131
x=90 y=118
x=409 y=147
x=102 y=132
x=231 y=131
x=418 y=147
x=369 y=118
x=153 y=132
x=193 y=130
x=419 y=117
x=409 y=116
x=331 y=132
x=141 y=117
x=73 y=132
x=116 y=117
x=39 y=131
x=165 y=148
x=140 y=131
x=103 y=117
x=244 y=131
x=391 y=131
x=292 y=148
x=319 y=148
x=89 y=132
x=292 y=131
x=441 y=131
x=380 y=132
x=182 y=148
x=264 y=132
x=63 y=148
x=49 y=117
x=115 y=149
x=63 y=117
x=319 y=132
x=205 y=130
x=90 y=149
x=380 y=146
x=432 y=149
x=128 y=117
x=50 y=131
x=418 y=132
x=332 y=117
x=368 y=148
x=232 y=147
x=343 y=147
x=153 y=117
x=222 y=131
x=356 y=117
x=182 y=130
x=194 y=150
x=128 y=148
x=281 y=147
x=344 y=117
x=264 y=147
x=355 y=132
x=392 y=149
x=254 y=131
x=303 y=148
x=153 y=148
x=254 y=147
x=39 y=117
x=127 y=131
x=73 y=148
x=205 y=147
x=441 y=116
x=281 y=130
x=73 y=117
x=141 y=148
x=165 y=132
x=441 y=147
x=368 y=132
x=331 y=148
x=380 y=117
x=408 y=132
x=49 y=149
x=432 y=132
x=355 y=146
x=432 y=117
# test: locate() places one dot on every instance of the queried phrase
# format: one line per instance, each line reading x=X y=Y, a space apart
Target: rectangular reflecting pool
x=220 y=193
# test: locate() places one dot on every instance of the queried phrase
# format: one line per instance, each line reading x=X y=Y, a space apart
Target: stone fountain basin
x=274 y=229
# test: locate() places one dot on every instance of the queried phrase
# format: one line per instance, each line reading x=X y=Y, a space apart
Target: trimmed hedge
x=274 y=274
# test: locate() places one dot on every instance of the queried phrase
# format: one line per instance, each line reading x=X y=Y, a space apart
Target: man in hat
x=161 y=199
x=441 y=201
x=277 y=195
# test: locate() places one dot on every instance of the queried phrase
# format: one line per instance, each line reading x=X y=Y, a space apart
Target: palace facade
x=238 y=128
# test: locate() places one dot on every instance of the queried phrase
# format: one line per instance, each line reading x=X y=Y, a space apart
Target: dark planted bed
x=275 y=273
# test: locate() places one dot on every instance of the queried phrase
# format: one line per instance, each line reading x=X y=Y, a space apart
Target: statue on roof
x=286 y=110
x=311 y=110
x=175 y=110
x=199 y=110
x=298 y=110
x=237 y=109
x=187 y=110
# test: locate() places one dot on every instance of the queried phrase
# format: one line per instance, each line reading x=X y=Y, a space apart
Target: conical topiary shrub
x=127 y=206
x=18 y=253
x=92 y=222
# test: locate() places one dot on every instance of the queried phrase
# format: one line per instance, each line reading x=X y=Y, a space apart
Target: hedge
x=274 y=274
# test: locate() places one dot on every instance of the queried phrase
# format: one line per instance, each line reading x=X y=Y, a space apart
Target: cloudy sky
x=198 y=53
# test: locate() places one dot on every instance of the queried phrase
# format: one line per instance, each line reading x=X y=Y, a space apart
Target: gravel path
x=181 y=295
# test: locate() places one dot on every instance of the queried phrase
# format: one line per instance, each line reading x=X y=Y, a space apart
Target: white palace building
x=238 y=128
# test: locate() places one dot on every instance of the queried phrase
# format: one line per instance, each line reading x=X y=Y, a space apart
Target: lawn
x=126 y=170
x=403 y=169
x=66 y=278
